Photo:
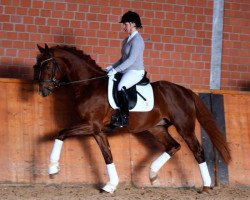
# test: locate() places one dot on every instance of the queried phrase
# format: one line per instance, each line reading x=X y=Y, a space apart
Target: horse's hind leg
x=189 y=136
x=199 y=155
x=171 y=147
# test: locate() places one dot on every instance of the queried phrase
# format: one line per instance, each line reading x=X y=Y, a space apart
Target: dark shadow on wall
x=25 y=72
x=52 y=113
x=65 y=114
x=17 y=72
x=245 y=86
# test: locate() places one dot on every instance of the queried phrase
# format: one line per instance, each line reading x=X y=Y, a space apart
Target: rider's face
x=129 y=27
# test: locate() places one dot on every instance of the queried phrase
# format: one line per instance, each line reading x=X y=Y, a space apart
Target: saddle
x=132 y=92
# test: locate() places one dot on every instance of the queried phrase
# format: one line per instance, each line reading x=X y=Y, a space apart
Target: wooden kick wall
x=29 y=124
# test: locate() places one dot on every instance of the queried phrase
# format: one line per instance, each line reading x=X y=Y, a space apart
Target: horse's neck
x=84 y=92
x=78 y=68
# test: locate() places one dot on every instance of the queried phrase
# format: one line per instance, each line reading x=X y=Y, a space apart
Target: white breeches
x=130 y=78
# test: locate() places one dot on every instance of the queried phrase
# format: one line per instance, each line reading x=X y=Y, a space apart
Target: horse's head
x=48 y=71
x=55 y=64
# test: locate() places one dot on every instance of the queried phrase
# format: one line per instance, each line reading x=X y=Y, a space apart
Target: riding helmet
x=132 y=17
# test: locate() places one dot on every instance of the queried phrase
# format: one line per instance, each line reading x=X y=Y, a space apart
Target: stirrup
x=122 y=121
x=115 y=117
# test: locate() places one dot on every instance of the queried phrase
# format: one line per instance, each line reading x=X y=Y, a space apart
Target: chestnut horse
x=174 y=106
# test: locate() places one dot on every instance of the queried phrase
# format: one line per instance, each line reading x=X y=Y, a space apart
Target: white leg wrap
x=113 y=179
x=205 y=174
x=53 y=168
x=159 y=162
x=55 y=156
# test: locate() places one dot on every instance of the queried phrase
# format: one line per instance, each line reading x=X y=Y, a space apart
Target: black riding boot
x=124 y=107
x=123 y=113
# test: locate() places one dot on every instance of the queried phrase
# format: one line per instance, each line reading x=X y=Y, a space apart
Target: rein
x=79 y=81
x=57 y=83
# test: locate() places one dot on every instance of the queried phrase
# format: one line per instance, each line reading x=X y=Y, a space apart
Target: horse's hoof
x=205 y=189
x=103 y=191
x=53 y=168
x=52 y=176
x=153 y=180
x=108 y=188
x=153 y=177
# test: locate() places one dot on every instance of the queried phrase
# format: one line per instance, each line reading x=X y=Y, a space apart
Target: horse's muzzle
x=44 y=92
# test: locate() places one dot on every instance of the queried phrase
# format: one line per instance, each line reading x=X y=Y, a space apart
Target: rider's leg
x=128 y=79
x=124 y=109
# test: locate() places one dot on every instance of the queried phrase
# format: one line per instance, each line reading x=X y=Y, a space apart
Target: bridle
x=56 y=68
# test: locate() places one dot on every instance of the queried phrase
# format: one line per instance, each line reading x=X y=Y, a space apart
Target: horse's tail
x=207 y=121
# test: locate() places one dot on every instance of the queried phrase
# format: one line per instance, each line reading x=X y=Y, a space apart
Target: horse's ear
x=41 y=49
x=46 y=47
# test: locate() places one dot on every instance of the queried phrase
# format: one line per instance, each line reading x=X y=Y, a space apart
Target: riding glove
x=112 y=72
x=107 y=69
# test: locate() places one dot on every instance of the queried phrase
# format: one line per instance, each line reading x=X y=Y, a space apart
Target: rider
x=130 y=65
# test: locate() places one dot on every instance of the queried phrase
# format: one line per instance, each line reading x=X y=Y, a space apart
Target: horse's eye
x=45 y=66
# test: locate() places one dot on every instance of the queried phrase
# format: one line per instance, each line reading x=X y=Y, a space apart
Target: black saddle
x=132 y=92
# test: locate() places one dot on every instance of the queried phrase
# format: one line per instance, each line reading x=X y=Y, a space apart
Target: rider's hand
x=107 y=69
x=112 y=72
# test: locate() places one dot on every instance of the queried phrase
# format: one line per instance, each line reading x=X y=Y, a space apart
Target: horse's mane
x=87 y=58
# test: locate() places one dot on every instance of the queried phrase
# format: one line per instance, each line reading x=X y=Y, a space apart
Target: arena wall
x=30 y=123
x=177 y=35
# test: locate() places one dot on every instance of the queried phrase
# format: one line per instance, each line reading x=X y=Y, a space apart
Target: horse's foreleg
x=54 y=158
x=171 y=147
x=80 y=129
x=103 y=143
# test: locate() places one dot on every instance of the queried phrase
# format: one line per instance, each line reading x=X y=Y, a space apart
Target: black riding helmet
x=132 y=17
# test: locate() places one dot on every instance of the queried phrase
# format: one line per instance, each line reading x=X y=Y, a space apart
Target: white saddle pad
x=141 y=105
